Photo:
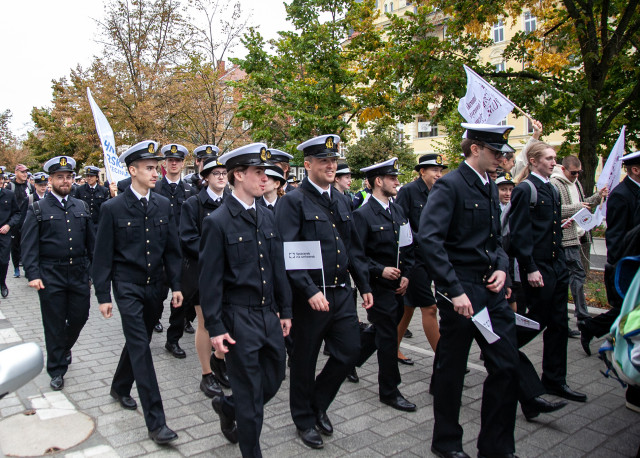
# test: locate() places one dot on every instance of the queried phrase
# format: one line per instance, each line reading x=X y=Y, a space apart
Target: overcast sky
x=42 y=40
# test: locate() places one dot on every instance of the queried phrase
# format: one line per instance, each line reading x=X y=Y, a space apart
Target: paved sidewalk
x=602 y=427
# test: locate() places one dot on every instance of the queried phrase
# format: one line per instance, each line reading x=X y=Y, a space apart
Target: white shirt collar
x=140 y=196
x=540 y=177
x=634 y=180
x=484 y=179
x=94 y=186
x=166 y=177
x=319 y=189
x=213 y=195
x=385 y=206
x=59 y=197
x=273 y=204
x=245 y=206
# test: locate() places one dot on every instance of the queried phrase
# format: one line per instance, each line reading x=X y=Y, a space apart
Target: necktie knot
x=325 y=196
x=145 y=203
x=64 y=203
x=173 y=187
x=252 y=213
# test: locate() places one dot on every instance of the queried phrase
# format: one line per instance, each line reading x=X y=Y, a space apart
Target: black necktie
x=64 y=203
x=143 y=201
x=270 y=207
x=173 y=187
x=252 y=213
x=325 y=196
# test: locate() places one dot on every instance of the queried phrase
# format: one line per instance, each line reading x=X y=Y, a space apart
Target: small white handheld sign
x=482 y=320
x=303 y=256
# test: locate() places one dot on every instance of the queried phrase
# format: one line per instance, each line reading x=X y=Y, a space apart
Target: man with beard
x=138 y=242
x=58 y=240
x=317 y=212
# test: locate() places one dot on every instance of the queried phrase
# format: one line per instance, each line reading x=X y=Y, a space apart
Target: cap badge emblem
x=63 y=161
x=329 y=143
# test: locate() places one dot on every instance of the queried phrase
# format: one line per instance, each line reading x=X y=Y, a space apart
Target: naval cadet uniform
x=58 y=241
x=137 y=240
x=94 y=196
x=244 y=292
x=461 y=227
x=275 y=173
x=378 y=227
x=177 y=193
x=9 y=214
x=305 y=215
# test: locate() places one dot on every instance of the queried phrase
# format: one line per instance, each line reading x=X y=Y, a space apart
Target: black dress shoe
x=219 y=369
x=4 y=291
x=406 y=361
x=57 y=383
x=399 y=403
x=449 y=454
x=323 y=423
x=574 y=334
x=188 y=328
x=534 y=407
x=127 y=402
x=565 y=392
x=311 y=438
x=408 y=334
x=227 y=424
x=352 y=376
x=162 y=435
x=210 y=387
x=585 y=337
x=175 y=350
x=158 y=327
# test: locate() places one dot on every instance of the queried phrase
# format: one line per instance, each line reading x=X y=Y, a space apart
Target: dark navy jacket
x=66 y=236
x=461 y=228
x=241 y=264
x=9 y=210
x=194 y=210
x=177 y=198
x=412 y=197
x=300 y=217
x=536 y=232
x=623 y=214
x=93 y=197
x=133 y=247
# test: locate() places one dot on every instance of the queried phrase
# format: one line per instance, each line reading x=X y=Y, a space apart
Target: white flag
x=115 y=170
x=483 y=104
x=482 y=320
x=406 y=236
x=610 y=175
x=584 y=219
x=302 y=255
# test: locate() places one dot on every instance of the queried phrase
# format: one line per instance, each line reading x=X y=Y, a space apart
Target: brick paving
x=363 y=426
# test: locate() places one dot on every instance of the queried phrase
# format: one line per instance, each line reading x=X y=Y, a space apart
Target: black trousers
x=64 y=304
x=548 y=306
x=601 y=324
x=5 y=250
x=339 y=328
x=16 y=237
x=499 y=397
x=256 y=369
x=140 y=309
x=382 y=336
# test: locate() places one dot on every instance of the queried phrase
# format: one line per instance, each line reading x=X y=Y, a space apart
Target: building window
x=426 y=129
x=415 y=10
x=529 y=22
x=500 y=67
x=529 y=126
x=377 y=4
x=498 y=31
x=391 y=7
x=386 y=8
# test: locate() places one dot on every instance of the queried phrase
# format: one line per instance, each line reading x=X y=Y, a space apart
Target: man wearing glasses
x=575 y=241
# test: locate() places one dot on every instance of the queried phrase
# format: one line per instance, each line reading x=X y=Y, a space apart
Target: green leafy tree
x=578 y=71
x=310 y=81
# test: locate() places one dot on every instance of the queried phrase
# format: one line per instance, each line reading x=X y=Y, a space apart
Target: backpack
x=504 y=217
x=621 y=349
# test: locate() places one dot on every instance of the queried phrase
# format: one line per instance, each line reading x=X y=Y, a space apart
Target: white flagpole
x=324 y=287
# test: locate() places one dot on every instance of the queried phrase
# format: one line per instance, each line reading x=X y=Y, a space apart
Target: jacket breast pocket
x=81 y=218
x=240 y=248
x=476 y=213
x=269 y=235
x=161 y=228
x=543 y=211
x=316 y=225
x=381 y=232
x=130 y=228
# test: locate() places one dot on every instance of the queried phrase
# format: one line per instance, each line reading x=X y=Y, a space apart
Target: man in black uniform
x=21 y=188
x=536 y=243
x=412 y=198
x=57 y=248
x=246 y=299
x=461 y=228
x=138 y=241
x=92 y=193
x=9 y=217
x=378 y=224
x=316 y=212
x=623 y=214
x=194 y=210
x=177 y=191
